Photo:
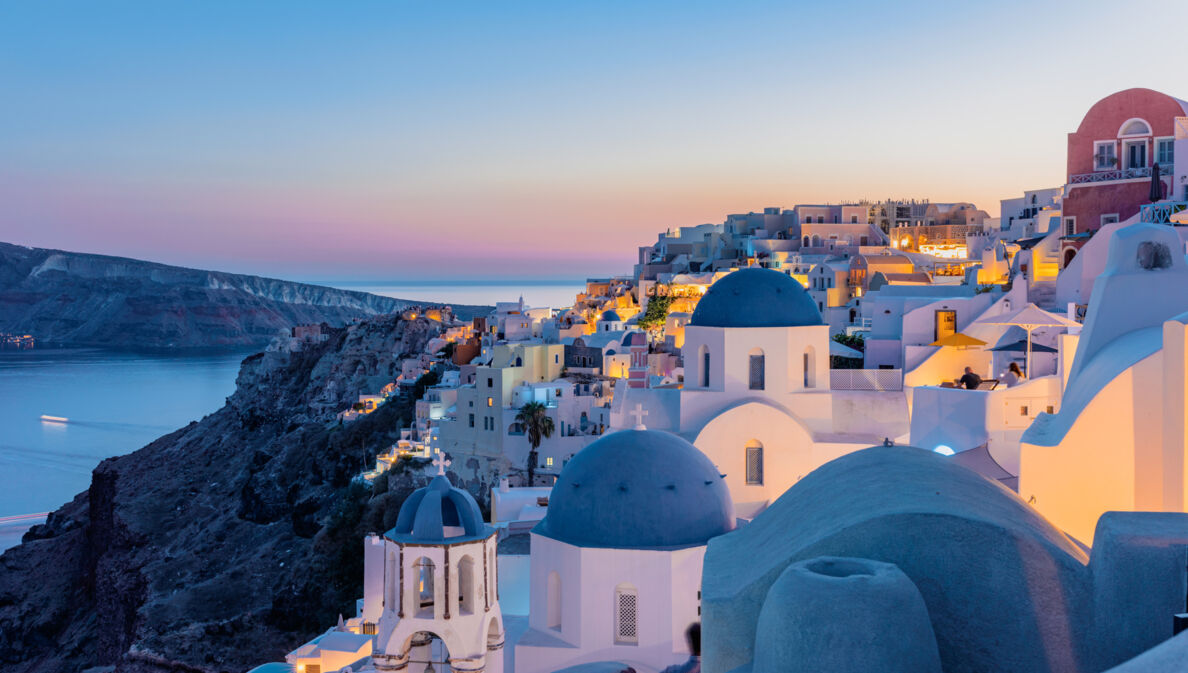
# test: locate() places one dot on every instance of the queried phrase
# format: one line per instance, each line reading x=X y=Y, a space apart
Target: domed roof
x=611 y=315
x=638 y=489
x=756 y=297
x=439 y=513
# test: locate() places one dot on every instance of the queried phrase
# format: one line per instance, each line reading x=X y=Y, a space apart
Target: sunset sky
x=389 y=140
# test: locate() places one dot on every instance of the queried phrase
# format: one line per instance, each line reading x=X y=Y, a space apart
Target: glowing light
x=53 y=419
x=944 y=450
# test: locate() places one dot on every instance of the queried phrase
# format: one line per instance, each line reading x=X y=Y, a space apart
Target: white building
x=616 y=563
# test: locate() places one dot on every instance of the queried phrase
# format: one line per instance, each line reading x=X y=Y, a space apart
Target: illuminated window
x=368 y=629
x=490 y=401
x=549 y=461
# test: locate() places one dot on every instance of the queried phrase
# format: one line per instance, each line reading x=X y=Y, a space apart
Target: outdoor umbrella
x=1020 y=346
x=1029 y=318
x=1156 y=193
x=958 y=340
x=843 y=351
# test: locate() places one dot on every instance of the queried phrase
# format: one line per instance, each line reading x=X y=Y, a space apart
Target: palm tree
x=534 y=417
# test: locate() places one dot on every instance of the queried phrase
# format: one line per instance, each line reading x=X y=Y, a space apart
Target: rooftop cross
x=440 y=461
x=638 y=413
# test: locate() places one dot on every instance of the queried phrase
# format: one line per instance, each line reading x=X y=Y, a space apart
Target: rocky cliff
x=230 y=541
x=68 y=298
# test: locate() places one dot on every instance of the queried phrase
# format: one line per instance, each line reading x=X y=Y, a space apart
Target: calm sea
x=115 y=403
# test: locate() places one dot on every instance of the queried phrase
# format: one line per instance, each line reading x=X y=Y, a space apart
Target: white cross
x=638 y=413
x=439 y=460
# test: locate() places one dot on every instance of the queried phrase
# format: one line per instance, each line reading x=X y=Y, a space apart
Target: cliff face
x=230 y=541
x=69 y=298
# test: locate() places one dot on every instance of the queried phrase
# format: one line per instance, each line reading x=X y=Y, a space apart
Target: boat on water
x=53 y=419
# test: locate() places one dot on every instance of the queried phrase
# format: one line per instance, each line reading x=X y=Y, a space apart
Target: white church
x=758 y=397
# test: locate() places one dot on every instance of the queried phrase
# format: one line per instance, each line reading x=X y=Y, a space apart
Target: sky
x=519 y=140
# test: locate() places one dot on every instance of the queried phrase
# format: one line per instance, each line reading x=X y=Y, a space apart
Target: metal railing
x=1116 y=174
x=1160 y=213
x=866 y=379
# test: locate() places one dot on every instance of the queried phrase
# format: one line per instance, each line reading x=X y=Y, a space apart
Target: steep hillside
x=227 y=542
x=68 y=298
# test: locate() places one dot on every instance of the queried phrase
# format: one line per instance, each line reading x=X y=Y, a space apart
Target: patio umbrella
x=843 y=351
x=1029 y=318
x=1156 y=193
x=1020 y=346
x=958 y=340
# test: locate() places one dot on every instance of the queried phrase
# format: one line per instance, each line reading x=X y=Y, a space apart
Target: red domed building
x=1111 y=156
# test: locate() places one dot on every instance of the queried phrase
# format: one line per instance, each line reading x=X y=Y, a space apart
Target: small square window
x=1051 y=409
x=1023 y=410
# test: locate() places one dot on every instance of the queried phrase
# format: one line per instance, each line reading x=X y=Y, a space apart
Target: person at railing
x=970 y=380
x=1013 y=376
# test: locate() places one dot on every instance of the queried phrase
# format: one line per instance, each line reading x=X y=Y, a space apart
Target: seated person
x=970 y=380
x=1014 y=375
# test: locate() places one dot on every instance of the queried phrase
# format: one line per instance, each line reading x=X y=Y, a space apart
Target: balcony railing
x=866 y=379
x=1116 y=174
x=1160 y=213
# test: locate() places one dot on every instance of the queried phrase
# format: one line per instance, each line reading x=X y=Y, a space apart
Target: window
x=1165 y=151
x=626 y=614
x=556 y=358
x=853 y=219
x=490 y=382
x=810 y=367
x=1135 y=127
x=705 y=367
x=472 y=420
x=549 y=461
x=313 y=668
x=754 y=457
x=1109 y=219
x=1023 y=410
x=368 y=629
x=757 y=372
x=466 y=586
x=1070 y=226
x=490 y=401
x=1103 y=155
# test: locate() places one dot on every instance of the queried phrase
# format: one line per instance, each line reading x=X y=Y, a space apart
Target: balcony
x=1160 y=213
x=1116 y=174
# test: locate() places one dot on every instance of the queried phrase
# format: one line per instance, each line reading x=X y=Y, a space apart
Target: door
x=946 y=324
x=1136 y=154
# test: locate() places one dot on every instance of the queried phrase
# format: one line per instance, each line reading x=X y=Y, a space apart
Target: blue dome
x=638 y=489
x=611 y=316
x=429 y=511
x=756 y=297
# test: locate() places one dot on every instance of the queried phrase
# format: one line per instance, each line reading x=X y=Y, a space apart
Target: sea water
x=113 y=403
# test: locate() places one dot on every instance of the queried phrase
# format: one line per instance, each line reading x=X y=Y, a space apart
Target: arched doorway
x=426 y=649
x=1069 y=254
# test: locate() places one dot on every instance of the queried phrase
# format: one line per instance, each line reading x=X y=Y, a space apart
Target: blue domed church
x=616 y=563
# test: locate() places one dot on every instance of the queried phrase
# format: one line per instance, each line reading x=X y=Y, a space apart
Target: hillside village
x=1030 y=369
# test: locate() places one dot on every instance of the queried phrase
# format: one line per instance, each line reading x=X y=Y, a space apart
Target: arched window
x=553 y=617
x=806 y=241
x=754 y=458
x=757 y=369
x=1135 y=127
x=705 y=366
x=816 y=241
x=392 y=586
x=466 y=585
x=626 y=615
x=810 y=367
x=424 y=570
